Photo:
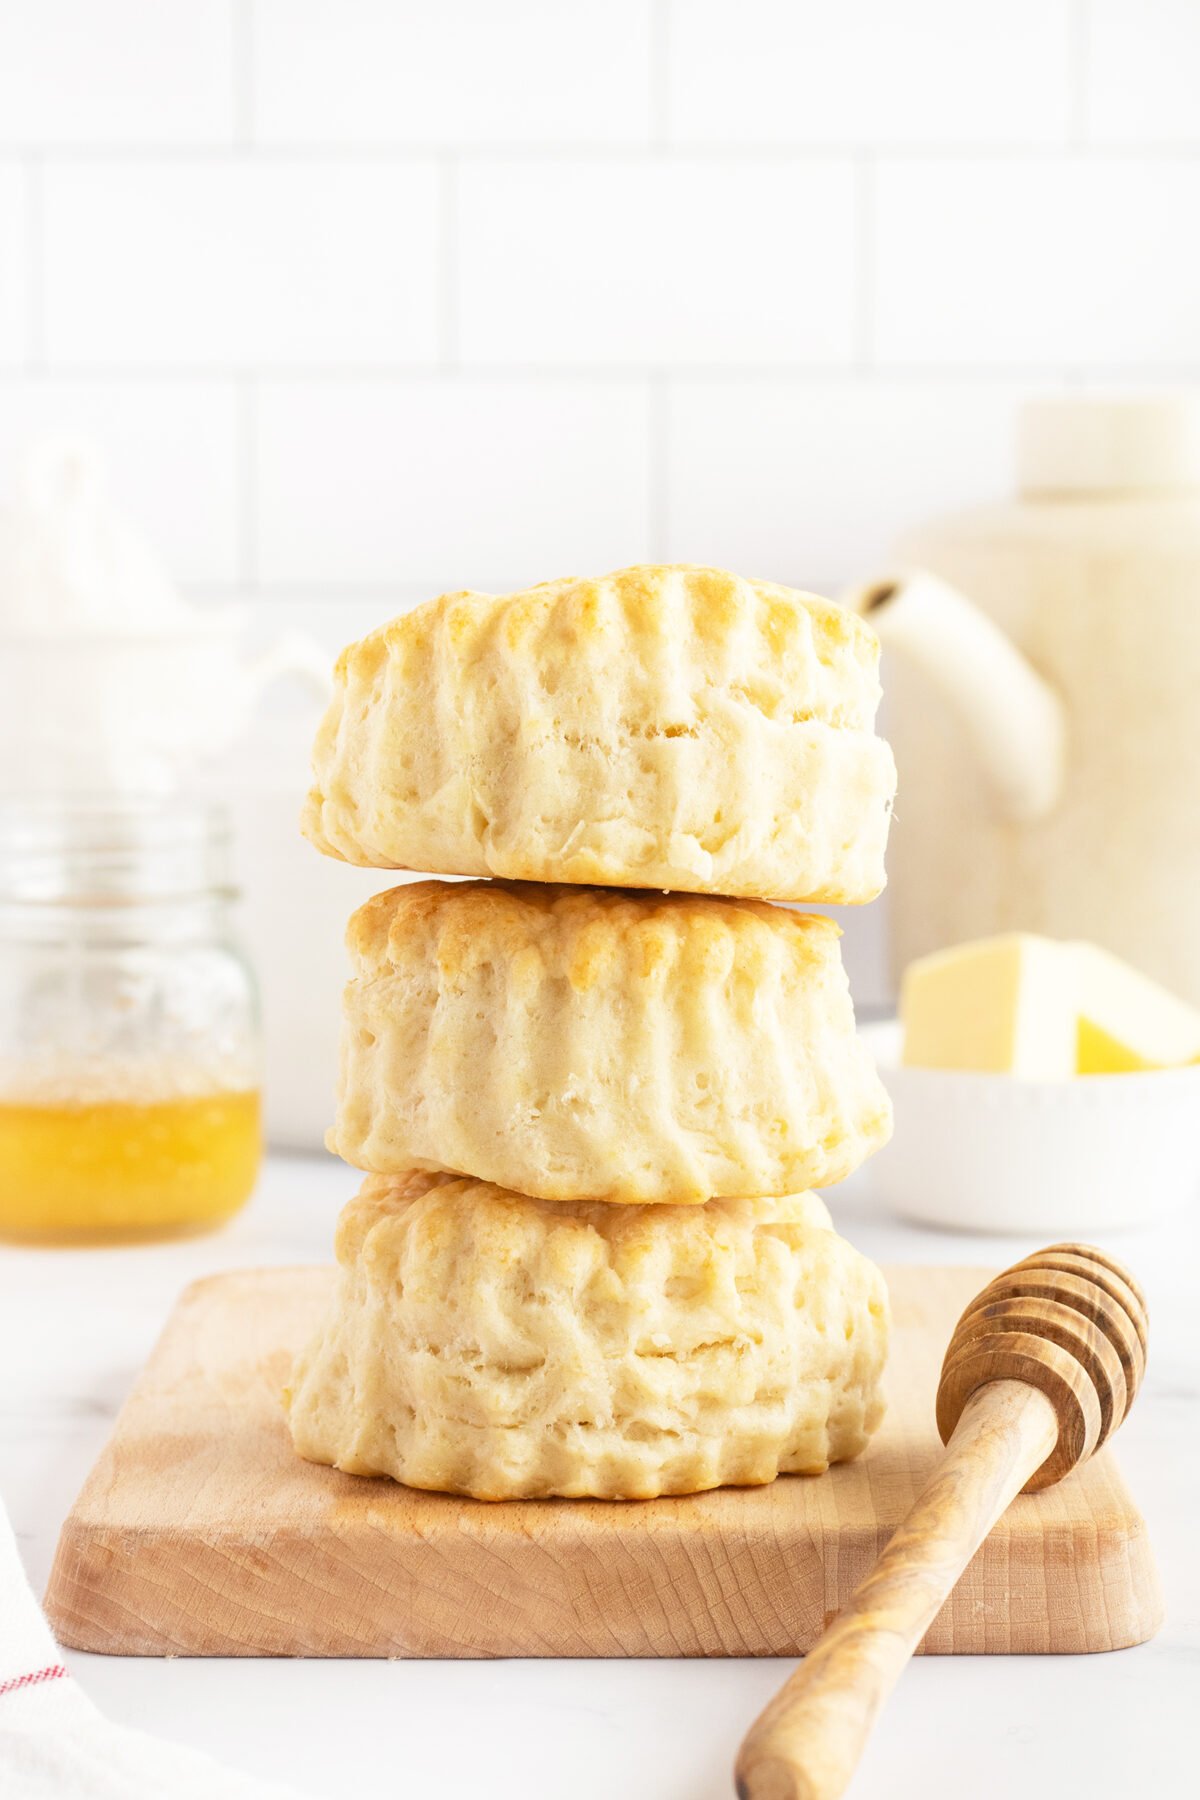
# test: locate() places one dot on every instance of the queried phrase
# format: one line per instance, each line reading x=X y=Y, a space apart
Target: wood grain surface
x=1033 y=1383
x=199 y=1532
x=807 y=1743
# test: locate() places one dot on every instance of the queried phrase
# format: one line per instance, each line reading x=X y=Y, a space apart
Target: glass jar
x=129 y=1042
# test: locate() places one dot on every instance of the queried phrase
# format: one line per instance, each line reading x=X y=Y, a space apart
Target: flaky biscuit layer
x=662 y=727
x=579 y=1043
x=480 y=1342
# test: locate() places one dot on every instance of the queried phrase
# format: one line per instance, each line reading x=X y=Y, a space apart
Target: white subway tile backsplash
x=218 y=262
x=168 y=452
x=1143 y=71
x=1038 y=261
x=120 y=72
x=367 y=299
x=868 y=71
x=331 y=618
x=675 y=260
x=450 y=482
x=15 y=322
x=809 y=482
x=488 y=292
x=458 y=72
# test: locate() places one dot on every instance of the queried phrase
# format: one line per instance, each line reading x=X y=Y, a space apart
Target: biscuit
x=480 y=1342
x=666 y=727
x=582 y=1043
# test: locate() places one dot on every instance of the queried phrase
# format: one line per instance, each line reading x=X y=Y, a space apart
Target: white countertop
x=75 y=1327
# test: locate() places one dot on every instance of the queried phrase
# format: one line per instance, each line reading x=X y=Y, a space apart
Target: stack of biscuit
x=591 y=1090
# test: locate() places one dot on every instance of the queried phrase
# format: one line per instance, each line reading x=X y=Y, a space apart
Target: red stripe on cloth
x=54 y=1672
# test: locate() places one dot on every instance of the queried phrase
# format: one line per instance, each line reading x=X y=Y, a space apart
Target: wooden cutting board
x=199 y=1532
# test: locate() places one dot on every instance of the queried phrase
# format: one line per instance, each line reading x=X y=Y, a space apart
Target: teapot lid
x=1084 y=443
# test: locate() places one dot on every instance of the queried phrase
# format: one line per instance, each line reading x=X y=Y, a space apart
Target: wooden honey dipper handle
x=1041 y=1369
x=807 y=1743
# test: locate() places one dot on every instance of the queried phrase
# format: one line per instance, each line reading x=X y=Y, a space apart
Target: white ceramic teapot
x=1042 y=674
x=109 y=679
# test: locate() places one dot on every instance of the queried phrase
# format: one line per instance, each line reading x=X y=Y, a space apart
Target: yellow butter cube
x=1126 y=1021
x=1034 y=1007
x=1004 y=1004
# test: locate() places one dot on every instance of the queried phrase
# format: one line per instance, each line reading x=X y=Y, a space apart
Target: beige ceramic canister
x=1042 y=669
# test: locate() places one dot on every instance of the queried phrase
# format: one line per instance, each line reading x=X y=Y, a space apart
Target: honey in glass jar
x=129 y=1044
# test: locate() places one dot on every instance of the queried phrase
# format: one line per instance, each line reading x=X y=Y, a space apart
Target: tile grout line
x=246 y=467
x=242 y=73
x=1079 y=28
x=817 y=374
x=865 y=169
x=659 y=47
x=658 y=457
x=448 y=322
x=554 y=154
x=325 y=592
x=35 y=278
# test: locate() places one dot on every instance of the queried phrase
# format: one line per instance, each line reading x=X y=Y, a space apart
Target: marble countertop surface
x=76 y=1325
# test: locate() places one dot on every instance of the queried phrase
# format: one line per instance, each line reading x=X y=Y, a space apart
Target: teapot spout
x=1013 y=718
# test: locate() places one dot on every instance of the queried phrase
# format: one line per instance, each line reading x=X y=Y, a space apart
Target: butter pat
x=1004 y=1004
x=1030 y=1006
x=1125 y=1021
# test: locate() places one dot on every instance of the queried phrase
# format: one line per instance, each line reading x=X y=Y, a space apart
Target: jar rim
x=104 y=850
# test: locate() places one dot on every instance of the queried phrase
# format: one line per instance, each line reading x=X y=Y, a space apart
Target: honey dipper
x=1041 y=1369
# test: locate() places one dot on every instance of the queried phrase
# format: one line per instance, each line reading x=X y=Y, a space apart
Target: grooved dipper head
x=1069 y=1320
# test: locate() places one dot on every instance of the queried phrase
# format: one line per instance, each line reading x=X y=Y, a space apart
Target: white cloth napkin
x=55 y=1745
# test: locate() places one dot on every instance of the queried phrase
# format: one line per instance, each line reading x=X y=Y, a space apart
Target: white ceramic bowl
x=976 y=1152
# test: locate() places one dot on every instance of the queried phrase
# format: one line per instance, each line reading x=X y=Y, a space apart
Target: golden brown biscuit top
x=581 y=930
x=758 y=636
x=500 y=1222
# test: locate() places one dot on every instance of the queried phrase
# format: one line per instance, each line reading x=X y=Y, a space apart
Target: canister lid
x=1106 y=443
